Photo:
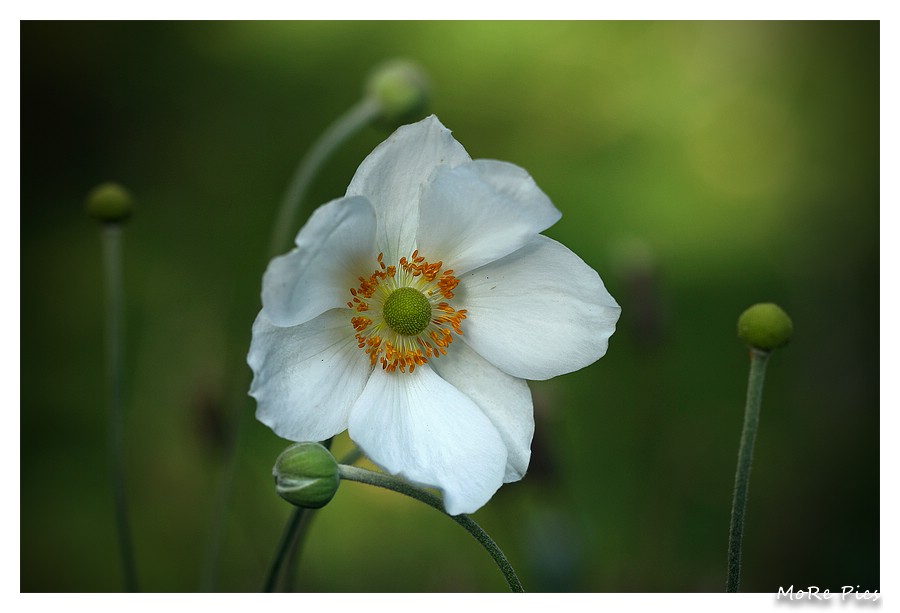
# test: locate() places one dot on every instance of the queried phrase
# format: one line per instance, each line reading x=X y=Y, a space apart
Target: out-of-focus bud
x=110 y=203
x=306 y=475
x=765 y=326
x=401 y=89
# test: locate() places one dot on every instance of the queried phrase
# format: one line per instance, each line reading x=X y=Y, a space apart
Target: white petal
x=420 y=427
x=392 y=175
x=334 y=247
x=306 y=378
x=539 y=312
x=479 y=212
x=505 y=400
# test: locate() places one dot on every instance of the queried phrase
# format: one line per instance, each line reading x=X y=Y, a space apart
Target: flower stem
x=295 y=528
x=361 y=475
x=357 y=117
x=111 y=239
x=758 y=360
x=291 y=542
x=352 y=456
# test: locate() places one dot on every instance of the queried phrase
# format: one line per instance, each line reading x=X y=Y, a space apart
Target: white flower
x=414 y=308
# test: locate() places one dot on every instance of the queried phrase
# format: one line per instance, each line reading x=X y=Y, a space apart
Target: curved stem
x=758 y=360
x=337 y=133
x=112 y=267
x=361 y=475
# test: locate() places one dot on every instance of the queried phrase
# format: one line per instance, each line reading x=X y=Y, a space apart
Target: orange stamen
x=399 y=351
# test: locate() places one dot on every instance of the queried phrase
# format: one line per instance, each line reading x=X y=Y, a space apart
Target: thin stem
x=291 y=542
x=111 y=238
x=352 y=456
x=758 y=360
x=290 y=571
x=361 y=475
x=337 y=133
x=287 y=546
x=293 y=553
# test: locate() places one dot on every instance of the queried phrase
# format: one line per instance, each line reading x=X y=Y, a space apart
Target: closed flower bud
x=110 y=203
x=400 y=88
x=765 y=326
x=306 y=475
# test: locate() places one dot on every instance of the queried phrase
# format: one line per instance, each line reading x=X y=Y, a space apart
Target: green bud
x=400 y=88
x=306 y=475
x=110 y=203
x=765 y=326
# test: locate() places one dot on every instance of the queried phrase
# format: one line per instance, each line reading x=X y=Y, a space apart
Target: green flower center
x=407 y=311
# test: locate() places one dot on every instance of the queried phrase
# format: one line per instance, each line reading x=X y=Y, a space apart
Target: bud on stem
x=400 y=88
x=110 y=203
x=306 y=475
x=765 y=326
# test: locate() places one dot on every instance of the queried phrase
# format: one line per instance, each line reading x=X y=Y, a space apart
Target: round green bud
x=765 y=326
x=407 y=311
x=110 y=203
x=306 y=475
x=400 y=88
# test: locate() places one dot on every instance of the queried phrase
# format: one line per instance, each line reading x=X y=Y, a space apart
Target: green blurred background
x=700 y=167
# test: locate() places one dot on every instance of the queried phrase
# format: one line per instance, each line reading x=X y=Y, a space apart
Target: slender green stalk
x=758 y=360
x=296 y=536
x=290 y=570
x=352 y=456
x=337 y=133
x=111 y=238
x=291 y=543
x=290 y=539
x=361 y=475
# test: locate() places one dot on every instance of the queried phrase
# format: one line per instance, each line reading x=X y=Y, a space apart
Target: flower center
x=404 y=313
x=407 y=311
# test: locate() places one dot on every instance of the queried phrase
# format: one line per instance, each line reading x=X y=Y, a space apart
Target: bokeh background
x=700 y=166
